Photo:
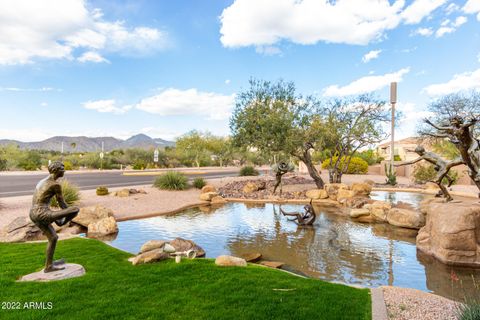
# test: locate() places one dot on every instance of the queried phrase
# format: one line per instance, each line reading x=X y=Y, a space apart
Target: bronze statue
x=43 y=216
x=280 y=169
x=306 y=218
x=441 y=166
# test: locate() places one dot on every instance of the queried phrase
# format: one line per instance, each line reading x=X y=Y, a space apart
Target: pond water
x=335 y=248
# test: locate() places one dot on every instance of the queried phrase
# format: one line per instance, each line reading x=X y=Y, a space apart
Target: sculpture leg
x=52 y=237
x=276 y=186
x=62 y=217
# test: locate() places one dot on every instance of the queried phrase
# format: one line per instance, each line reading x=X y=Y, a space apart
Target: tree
x=455 y=118
x=274 y=119
x=193 y=147
x=353 y=123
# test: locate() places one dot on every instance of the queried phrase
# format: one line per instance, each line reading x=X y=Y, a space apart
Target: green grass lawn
x=197 y=289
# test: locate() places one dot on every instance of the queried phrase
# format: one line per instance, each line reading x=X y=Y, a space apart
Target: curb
x=379 y=310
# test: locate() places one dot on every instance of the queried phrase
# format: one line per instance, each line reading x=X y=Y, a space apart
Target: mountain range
x=87 y=144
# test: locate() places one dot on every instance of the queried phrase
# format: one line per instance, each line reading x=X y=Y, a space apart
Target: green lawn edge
x=196 y=289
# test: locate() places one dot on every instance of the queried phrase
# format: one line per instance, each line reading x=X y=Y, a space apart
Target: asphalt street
x=20 y=185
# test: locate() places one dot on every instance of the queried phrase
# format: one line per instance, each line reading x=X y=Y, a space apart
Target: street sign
x=155 y=156
x=101 y=155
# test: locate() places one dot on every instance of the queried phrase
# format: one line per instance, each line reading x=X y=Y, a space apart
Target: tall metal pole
x=393 y=101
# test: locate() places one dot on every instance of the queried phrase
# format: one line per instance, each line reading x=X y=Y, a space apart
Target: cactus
x=391 y=175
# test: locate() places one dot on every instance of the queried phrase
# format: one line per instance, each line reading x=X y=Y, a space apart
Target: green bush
x=426 y=173
x=371 y=156
x=171 y=180
x=71 y=194
x=199 y=183
x=248 y=171
x=68 y=165
x=397 y=158
x=3 y=165
x=357 y=165
x=102 y=191
x=468 y=311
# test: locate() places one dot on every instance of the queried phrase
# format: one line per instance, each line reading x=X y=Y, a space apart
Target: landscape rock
x=356 y=202
x=208 y=188
x=208 y=196
x=184 y=245
x=103 y=227
x=431 y=186
x=343 y=194
x=405 y=218
x=254 y=186
x=426 y=203
x=152 y=245
x=229 y=261
x=452 y=233
x=88 y=215
x=150 y=256
x=272 y=264
x=355 y=213
x=317 y=194
x=252 y=257
x=361 y=189
x=122 y=193
x=218 y=200
x=365 y=219
x=332 y=189
x=369 y=181
x=20 y=230
x=379 y=210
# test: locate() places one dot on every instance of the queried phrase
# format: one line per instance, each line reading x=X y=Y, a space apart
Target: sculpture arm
x=59 y=196
x=409 y=162
x=437 y=127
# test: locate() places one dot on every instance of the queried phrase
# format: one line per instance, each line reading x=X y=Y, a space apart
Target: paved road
x=20 y=185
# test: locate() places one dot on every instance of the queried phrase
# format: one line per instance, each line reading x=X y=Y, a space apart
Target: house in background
x=403 y=149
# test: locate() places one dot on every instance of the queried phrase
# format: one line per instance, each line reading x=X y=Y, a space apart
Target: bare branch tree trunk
x=307 y=159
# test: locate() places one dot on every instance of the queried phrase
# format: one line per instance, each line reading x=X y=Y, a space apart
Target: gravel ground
x=408 y=304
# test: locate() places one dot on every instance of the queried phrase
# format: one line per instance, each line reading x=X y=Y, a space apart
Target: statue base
x=71 y=270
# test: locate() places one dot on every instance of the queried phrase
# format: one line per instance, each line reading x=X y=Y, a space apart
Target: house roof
x=409 y=140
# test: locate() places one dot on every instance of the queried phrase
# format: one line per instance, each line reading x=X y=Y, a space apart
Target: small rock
x=208 y=188
x=123 y=193
x=252 y=257
x=272 y=264
x=103 y=227
x=355 y=213
x=229 y=261
x=208 y=196
x=150 y=256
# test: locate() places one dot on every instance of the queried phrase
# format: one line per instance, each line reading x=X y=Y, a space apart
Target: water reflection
x=335 y=248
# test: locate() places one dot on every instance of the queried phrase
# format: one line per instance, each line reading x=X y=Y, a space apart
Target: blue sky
x=117 y=68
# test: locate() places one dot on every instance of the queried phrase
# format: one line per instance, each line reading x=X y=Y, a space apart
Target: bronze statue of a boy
x=43 y=216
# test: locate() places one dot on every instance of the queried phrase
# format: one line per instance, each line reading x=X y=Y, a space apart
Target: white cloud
x=420 y=9
x=425 y=32
x=459 y=21
x=43 y=104
x=172 y=102
x=228 y=81
x=268 y=50
x=106 y=106
x=92 y=56
x=366 y=84
x=460 y=82
x=16 y=89
x=266 y=22
x=451 y=8
x=443 y=31
x=371 y=55
x=56 y=29
x=448 y=26
x=472 y=7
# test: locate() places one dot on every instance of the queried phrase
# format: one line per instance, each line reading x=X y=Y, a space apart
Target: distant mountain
x=86 y=144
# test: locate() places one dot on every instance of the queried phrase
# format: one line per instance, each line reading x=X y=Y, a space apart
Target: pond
x=334 y=249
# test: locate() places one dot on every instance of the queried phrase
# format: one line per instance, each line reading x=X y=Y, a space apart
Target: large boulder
x=88 y=215
x=317 y=194
x=405 y=218
x=452 y=233
x=361 y=189
x=208 y=196
x=208 y=188
x=184 y=245
x=252 y=257
x=379 y=210
x=332 y=189
x=122 y=193
x=103 y=227
x=150 y=256
x=426 y=203
x=20 y=230
x=254 y=186
x=355 y=213
x=344 y=194
x=218 y=200
x=152 y=245
x=229 y=261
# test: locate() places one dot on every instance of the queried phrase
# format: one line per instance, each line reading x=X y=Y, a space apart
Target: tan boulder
x=405 y=218
x=431 y=186
x=218 y=200
x=152 y=245
x=426 y=203
x=103 y=227
x=366 y=219
x=356 y=202
x=208 y=188
x=272 y=264
x=122 y=193
x=317 y=194
x=21 y=229
x=87 y=215
x=254 y=186
x=452 y=233
x=355 y=213
x=332 y=189
x=208 y=196
x=369 y=181
x=343 y=194
x=379 y=210
x=229 y=261
x=361 y=189
x=150 y=256
x=181 y=245
x=252 y=257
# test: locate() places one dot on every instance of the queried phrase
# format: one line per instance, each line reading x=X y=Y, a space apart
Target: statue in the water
x=280 y=169
x=441 y=166
x=307 y=218
x=43 y=216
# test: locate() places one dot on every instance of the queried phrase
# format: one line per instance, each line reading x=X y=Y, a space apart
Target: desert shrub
x=370 y=156
x=3 y=165
x=468 y=311
x=68 y=165
x=199 y=183
x=424 y=173
x=397 y=158
x=357 y=165
x=71 y=194
x=171 y=180
x=139 y=164
x=102 y=191
x=248 y=171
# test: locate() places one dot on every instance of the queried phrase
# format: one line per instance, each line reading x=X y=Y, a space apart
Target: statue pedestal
x=71 y=270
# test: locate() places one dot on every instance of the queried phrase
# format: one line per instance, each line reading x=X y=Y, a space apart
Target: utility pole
x=393 y=101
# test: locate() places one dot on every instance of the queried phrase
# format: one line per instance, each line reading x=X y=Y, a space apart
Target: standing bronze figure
x=280 y=169
x=43 y=216
x=441 y=166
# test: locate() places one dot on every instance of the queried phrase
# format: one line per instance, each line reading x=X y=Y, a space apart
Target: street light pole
x=393 y=101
